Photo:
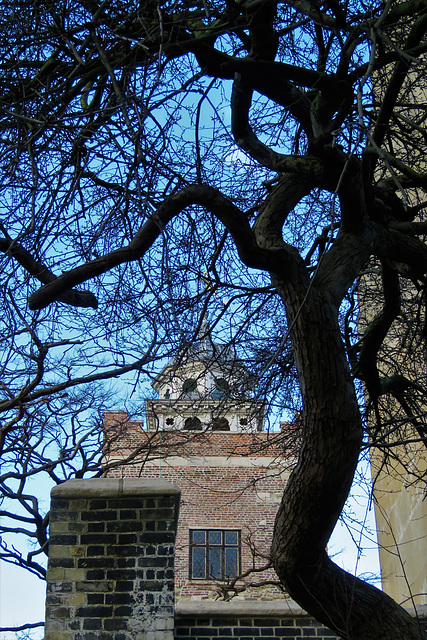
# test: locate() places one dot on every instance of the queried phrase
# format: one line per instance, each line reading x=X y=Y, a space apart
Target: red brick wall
x=234 y=483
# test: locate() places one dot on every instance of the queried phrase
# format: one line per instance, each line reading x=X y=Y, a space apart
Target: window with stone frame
x=214 y=554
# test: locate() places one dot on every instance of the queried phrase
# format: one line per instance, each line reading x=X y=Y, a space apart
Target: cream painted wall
x=401 y=515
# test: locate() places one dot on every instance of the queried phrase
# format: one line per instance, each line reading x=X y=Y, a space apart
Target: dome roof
x=205 y=350
x=202 y=355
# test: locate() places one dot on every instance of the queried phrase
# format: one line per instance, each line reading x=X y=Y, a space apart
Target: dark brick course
x=97 y=516
x=251 y=628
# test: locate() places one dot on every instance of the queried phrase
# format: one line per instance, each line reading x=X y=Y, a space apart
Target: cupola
x=205 y=387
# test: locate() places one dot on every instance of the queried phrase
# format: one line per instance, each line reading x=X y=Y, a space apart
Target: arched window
x=220 y=424
x=193 y=424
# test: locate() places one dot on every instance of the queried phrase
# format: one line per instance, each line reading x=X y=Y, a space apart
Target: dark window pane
x=215 y=537
x=214 y=554
x=199 y=537
x=231 y=537
x=193 y=424
x=231 y=562
x=220 y=424
x=198 y=566
x=215 y=563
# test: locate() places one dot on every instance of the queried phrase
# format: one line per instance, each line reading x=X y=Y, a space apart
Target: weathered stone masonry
x=252 y=628
x=111 y=551
x=241 y=620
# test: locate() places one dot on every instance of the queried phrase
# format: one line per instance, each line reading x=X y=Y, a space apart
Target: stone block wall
x=252 y=629
x=247 y=621
x=111 y=552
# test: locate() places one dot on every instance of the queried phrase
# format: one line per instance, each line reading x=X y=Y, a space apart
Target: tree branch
x=377 y=331
x=234 y=220
x=23 y=627
x=405 y=253
x=42 y=273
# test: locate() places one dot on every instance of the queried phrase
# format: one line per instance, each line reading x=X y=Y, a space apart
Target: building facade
x=401 y=517
x=399 y=460
x=398 y=457
x=204 y=433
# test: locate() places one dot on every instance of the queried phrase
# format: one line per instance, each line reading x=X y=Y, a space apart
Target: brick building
x=204 y=432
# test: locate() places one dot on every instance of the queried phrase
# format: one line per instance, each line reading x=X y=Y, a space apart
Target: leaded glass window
x=214 y=554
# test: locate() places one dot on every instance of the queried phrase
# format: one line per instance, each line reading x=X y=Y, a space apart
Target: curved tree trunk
x=321 y=481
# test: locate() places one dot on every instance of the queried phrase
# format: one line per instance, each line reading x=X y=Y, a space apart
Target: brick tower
x=205 y=434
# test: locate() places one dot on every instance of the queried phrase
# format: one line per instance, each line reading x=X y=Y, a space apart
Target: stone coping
x=114 y=488
x=249 y=608
x=272 y=608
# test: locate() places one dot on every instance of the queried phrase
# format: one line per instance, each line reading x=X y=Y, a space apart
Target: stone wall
x=247 y=621
x=111 y=551
x=262 y=620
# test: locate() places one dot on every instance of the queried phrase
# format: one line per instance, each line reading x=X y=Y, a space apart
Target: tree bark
x=321 y=481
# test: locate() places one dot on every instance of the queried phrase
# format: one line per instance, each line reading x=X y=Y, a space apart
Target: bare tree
x=252 y=159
